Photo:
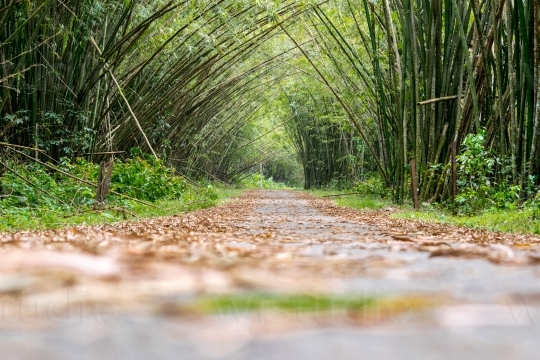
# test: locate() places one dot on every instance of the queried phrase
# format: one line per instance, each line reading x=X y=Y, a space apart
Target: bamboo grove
x=331 y=152
x=356 y=85
x=415 y=76
x=84 y=77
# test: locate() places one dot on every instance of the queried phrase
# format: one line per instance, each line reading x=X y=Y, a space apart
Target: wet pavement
x=434 y=297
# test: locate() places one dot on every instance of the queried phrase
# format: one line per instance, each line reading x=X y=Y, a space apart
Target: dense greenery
x=327 y=93
x=35 y=196
x=170 y=77
x=412 y=77
x=329 y=148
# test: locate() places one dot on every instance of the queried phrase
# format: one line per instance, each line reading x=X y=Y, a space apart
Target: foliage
x=285 y=170
x=147 y=179
x=50 y=197
x=520 y=220
x=364 y=202
x=414 y=77
x=330 y=150
x=506 y=196
x=524 y=219
x=41 y=189
x=475 y=167
x=534 y=206
x=215 y=87
x=478 y=188
x=180 y=78
x=372 y=185
x=255 y=181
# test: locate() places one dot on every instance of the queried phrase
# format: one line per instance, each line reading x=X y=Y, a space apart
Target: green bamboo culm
x=421 y=75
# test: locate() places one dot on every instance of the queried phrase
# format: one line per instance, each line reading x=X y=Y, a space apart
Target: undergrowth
x=34 y=197
x=499 y=211
x=256 y=180
x=523 y=220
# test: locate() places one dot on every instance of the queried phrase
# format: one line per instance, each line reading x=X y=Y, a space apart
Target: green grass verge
x=511 y=221
x=44 y=218
x=360 y=202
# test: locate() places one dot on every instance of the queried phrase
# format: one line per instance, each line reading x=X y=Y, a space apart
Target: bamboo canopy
x=359 y=86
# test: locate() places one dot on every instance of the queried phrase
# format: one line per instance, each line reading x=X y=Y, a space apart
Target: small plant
x=256 y=180
x=148 y=180
x=475 y=166
x=534 y=205
x=478 y=187
x=506 y=196
x=372 y=185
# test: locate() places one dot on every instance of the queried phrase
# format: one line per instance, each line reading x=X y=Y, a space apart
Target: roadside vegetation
x=49 y=196
x=523 y=219
x=35 y=197
x=484 y=200
x=497 y=210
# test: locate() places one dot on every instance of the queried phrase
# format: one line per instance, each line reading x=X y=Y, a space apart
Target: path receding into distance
x=133 y=290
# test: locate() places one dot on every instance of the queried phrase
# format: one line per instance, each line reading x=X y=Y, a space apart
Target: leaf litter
x=287 y=244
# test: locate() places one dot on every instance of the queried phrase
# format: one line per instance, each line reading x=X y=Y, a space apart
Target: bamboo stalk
x=22 y=147
x=437 y=100
x=121 y=92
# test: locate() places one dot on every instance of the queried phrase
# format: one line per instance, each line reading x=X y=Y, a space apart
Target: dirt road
x=273 y=275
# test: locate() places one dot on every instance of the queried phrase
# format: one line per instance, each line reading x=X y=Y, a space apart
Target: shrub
x=372 y=185
x=475 y=165
x=147 y=180
x=478 y=189
x=255 y=181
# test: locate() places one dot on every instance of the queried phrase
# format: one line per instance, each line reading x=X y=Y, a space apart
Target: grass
x=45 y=218
x=349 y=305
x=289 y=303
x=360 y=202
x=511 y=221
x=364 y=202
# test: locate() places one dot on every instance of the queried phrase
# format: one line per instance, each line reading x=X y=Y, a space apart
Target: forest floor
x=270 y=275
